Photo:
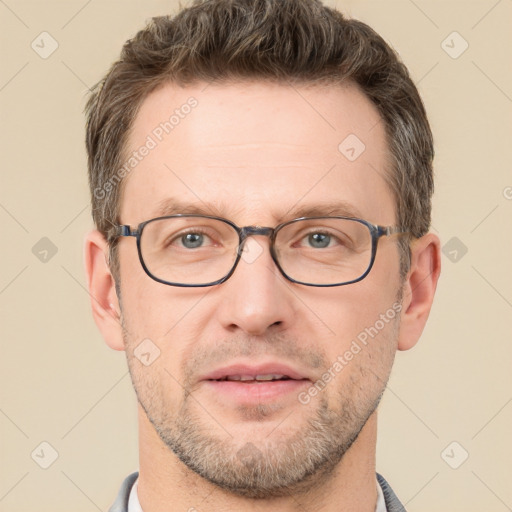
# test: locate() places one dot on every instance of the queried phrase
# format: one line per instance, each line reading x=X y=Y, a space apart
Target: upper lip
x=254 y=370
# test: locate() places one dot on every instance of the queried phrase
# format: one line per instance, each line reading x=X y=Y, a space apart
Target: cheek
x=156 y=387
x=151 y=309
x=358 y=371
x=163 y=320
x=363 y=319
x=347 y=311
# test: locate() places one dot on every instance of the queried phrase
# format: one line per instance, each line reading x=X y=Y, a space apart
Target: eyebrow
x=173 y=206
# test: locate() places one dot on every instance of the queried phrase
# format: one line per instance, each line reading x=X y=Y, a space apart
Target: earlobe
x=102 y=292
x=419 y=289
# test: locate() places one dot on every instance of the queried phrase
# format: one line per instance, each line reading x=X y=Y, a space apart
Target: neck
x=164 y=480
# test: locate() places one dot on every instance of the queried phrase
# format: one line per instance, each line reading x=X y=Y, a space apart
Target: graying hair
x=283 y=41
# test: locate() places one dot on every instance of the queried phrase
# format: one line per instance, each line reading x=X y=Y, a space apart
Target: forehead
x=255 y=151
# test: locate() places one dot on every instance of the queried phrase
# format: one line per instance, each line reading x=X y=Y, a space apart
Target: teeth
x=269 y=377
x=257 y=377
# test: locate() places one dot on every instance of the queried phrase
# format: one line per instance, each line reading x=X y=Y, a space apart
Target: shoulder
x=121 y=502
x=393 y=504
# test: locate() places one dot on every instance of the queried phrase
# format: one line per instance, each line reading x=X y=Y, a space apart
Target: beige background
x=60 y=384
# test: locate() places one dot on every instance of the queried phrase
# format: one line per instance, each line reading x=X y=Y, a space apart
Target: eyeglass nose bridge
x=248 y=231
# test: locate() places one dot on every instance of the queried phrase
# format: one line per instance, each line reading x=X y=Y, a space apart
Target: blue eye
x=192 y=240
x=319 y=240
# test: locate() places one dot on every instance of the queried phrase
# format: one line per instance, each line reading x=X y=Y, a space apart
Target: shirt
x=134 y=504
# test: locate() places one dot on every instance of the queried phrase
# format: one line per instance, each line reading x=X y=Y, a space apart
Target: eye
x=192 y=240
x=314 y=238
x=322 y=239
x=319 y=240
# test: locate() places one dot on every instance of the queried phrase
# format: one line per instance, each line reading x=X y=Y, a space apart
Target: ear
x=102 y=292
x=419 y=289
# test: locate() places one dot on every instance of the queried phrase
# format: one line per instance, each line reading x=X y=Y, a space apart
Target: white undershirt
x=134 y=504
x=133 y=500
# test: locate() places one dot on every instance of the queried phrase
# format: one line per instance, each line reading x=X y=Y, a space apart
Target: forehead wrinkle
x=173 y=206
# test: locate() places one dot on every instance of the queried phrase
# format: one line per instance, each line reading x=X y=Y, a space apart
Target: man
x=246 y=160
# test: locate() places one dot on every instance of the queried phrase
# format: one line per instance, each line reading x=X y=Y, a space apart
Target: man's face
x=260 y=154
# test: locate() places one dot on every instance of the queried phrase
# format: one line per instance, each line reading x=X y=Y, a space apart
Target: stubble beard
x=289 y=460
x=268 y=467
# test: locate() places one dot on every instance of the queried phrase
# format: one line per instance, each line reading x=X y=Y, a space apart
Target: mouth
x=255 y=383
x=250 y=379
x=250 y=372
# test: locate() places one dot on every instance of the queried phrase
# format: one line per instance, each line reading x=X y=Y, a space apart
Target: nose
x=256 y=297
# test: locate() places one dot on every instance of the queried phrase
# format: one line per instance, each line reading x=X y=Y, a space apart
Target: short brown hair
x=284 y=41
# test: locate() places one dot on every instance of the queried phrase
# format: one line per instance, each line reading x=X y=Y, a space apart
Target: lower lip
x=256 y=391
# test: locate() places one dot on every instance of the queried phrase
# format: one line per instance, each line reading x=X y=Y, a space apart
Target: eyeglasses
x=200 y=250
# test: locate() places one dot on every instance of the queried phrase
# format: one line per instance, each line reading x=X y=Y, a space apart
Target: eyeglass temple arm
x=390 y=230
x=123 y=230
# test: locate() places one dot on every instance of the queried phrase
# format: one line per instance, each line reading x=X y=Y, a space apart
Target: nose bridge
x=249 y=231
x=254 y=299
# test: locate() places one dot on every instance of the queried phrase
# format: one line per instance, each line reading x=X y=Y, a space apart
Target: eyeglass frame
x=376 y=232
